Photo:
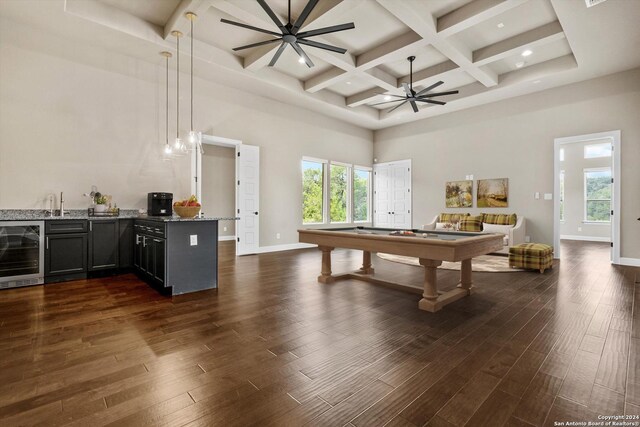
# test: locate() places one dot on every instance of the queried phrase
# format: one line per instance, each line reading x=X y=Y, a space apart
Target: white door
x=401 y=182
x=381 y=196
x=248 y=200
x=392 y=194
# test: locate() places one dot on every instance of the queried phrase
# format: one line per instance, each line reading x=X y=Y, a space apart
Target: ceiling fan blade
x=277 y=54
x=430 y=101
x=326 y=30
x=322 y=46
x=302 y=53
x=407 y=89
x=397 y=106
x=386 y=102
x=433 y=86
x=414 y=106
x=303 y=16
x=250 y=27
x=273 y=16
x=429 y=95
x=256 y=44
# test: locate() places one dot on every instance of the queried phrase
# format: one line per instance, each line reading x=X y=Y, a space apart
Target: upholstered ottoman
x=531 y=255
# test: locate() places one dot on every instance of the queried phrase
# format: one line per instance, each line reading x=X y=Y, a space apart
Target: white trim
x=337 y=163
x=632 y=262
x=218 y=140
x=226 y=238
x=313 y=159
x=285 y=247
x=364 y=168
x=615 y=196
x=584 y=238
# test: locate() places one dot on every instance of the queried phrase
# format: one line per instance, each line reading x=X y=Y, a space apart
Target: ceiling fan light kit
x=413 y=97
x=290 y=33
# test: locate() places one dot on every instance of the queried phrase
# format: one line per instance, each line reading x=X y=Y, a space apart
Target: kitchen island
x=174 y=255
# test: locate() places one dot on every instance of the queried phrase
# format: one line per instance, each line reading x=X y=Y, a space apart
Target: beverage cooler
x=21 y=253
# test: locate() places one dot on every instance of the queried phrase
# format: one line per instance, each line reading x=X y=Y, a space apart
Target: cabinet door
x=125 y=242
x=137 y=251
x=158 y=249
x=147 y=255
x=103 y=244
x=65 y=254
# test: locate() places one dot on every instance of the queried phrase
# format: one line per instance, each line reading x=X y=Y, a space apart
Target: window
x=339 y=191
x=561 y=154
x=561 y=195
x=597 y=195
x=593 y=151
x=313 y=191
x=361 y=194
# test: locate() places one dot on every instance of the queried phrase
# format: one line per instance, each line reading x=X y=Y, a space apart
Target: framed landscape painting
x=459 y=194
x=493 y=193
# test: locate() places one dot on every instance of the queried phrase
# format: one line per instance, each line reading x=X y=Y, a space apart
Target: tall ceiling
x=474 y=46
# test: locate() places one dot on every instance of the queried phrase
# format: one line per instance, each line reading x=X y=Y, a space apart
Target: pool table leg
x=366 y=263
x=466 y=281
x=429 y=301
x=325 y=275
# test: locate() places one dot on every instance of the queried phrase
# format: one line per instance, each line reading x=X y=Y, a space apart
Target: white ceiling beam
x=472 y=14
x=400 y=46
x=363 y=97
x=324 y=80
x=260 y=57
x=438 y=71
x=538 y=36
x=380 y=78
x=178 y=22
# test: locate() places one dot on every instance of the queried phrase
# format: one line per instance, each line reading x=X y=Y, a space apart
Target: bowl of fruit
x=188 y=208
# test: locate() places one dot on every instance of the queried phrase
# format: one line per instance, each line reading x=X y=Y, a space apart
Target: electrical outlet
x=278 y=236
x=527 y=239
x=536 y=195
x=224 y=228
x=548 y=196
x=193 y=239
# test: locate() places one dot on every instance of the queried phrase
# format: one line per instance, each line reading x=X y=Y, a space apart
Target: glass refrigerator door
x=20 y=250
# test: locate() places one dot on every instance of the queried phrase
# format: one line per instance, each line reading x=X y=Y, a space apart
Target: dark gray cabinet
x=125 y=243
x=65 y=250
x=150 y=251
x=104 y=236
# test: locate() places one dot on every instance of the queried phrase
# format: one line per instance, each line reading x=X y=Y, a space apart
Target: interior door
x=381 y=196
x=248 y=200
x=392 y=194
x=400 y=174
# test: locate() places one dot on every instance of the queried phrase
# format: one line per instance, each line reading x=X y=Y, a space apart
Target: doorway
x=392 y=194
x=241 y=165
x=587 y=188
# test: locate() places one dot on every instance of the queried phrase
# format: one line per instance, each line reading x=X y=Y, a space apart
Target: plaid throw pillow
x=471 y=223
x=499 y=219
x=451 y=217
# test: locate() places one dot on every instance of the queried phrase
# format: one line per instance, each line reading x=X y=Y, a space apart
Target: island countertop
x=79 y=214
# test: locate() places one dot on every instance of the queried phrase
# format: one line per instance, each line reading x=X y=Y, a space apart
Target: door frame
x=196 y=167
x=614 y=135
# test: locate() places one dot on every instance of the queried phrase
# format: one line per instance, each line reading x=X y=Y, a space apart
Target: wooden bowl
x=187 y=211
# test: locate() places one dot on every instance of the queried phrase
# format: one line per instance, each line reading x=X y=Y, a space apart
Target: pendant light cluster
x=194 y=139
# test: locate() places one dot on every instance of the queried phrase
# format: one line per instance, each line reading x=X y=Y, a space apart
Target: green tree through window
x=312 y=192
x=361 y=180
x=338 y=192
x=597 y=195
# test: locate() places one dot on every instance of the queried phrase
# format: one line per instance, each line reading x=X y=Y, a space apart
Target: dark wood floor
x=274 y=347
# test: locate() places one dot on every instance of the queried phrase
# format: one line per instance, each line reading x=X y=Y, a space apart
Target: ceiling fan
x=413 y=97
x=290 y=33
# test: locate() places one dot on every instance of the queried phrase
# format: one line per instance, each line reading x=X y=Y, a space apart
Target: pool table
x=431 y=247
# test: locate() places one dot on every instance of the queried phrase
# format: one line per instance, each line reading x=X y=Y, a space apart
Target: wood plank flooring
x=272 y=347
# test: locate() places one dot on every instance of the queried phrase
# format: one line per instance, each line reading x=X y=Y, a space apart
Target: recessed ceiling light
x=500 y=25
x=348 y=83
x=301 y=60
x=527 y=52
x=387 y=98
x=520 y=64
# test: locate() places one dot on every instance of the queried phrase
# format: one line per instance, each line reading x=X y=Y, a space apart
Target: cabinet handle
x=47 y=242
x=90 y=225
x=137 y=239
x=158 y=241
x=144 y=241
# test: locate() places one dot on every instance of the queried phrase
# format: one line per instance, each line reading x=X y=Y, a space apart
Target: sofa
x=512 y=226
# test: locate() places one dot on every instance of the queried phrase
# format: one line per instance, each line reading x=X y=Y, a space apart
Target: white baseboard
x=225 y=238
x=632 y=262
x=585 y=238
x=287 y=247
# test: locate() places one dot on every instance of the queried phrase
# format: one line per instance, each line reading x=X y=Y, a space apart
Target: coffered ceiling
x=474 y=46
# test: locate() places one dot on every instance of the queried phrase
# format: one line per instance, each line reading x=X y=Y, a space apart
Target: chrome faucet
x=61 y=204
x=51 y=211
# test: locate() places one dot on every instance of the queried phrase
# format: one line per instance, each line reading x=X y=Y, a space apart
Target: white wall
x=73 y=115
x=574 y=165
x=218 y=185
x=514 y=139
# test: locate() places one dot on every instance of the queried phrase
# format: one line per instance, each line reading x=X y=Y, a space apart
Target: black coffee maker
x=160 y=204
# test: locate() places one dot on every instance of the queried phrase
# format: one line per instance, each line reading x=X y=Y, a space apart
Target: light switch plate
x=548 y=196
x=536 y=195
x=193 y=239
